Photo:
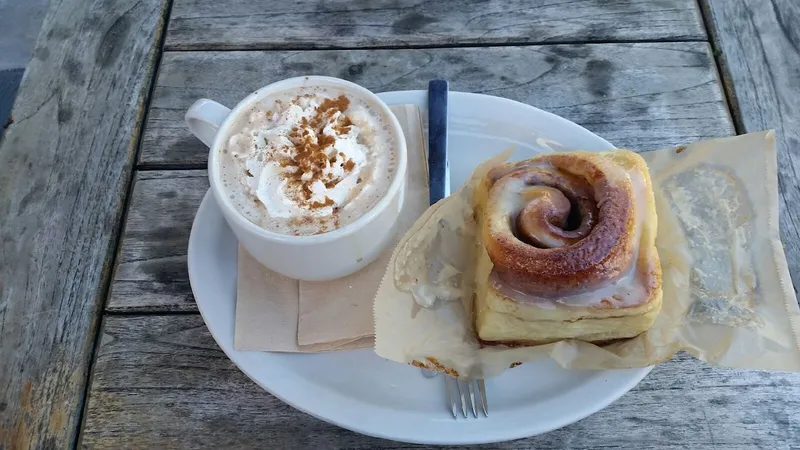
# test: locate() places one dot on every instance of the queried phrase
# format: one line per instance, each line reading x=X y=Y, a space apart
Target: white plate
x=358 y=390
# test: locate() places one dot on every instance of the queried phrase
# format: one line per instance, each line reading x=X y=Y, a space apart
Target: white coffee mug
x=325 y=256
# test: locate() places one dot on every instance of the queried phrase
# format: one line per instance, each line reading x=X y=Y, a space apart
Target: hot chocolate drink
x=308 y=161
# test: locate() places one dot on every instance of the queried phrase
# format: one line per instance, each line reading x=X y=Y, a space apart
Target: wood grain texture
x=642 y=96
x=151 y=272
x=161 y=382
x=303 y=24
x=65 y=165
x=760 y=53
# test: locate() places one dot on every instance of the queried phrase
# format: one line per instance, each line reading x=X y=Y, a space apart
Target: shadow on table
x=9 y=82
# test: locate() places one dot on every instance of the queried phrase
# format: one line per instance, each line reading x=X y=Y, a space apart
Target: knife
x=438 y=166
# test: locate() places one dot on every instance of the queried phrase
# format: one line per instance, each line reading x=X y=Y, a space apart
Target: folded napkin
x=276 y=313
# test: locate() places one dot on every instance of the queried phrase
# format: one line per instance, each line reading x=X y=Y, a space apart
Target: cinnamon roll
x=568 y=249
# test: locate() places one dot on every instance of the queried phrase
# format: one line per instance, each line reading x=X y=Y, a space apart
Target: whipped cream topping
x=305 y=159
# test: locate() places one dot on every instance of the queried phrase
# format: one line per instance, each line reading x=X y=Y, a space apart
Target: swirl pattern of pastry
x=569 y=243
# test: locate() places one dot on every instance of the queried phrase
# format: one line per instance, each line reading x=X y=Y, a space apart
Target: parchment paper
x=728 y=296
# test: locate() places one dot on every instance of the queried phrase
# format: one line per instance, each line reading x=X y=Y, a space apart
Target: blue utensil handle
x=438 y=167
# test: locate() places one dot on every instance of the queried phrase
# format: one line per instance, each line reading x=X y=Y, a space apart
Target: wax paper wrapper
x=728 y=296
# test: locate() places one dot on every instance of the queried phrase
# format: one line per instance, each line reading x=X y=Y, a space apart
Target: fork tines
x=462 y=392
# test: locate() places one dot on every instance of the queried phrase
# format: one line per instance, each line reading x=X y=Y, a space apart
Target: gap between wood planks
x=151 y=167
x=285 y=48
x=723 y=74
x=149 y=313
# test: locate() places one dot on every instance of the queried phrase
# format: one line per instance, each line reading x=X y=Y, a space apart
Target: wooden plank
x=304 y=24
x=641 y=96
x=65 y=166
x=151 y=272
x=161 y=382
x=760 y=53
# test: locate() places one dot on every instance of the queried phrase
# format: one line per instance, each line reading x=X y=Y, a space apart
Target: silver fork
x=462 y=392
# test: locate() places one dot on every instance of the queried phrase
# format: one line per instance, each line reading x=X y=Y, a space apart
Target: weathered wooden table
x=101 y=345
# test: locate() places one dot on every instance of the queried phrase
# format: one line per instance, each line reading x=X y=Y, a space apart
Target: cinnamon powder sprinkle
x=328 y=202
x=340 y=103
x=311 y=151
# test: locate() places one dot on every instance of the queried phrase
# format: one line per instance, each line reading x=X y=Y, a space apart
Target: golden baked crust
x=568 y=249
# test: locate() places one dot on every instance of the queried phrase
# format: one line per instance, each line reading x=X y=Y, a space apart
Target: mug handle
x=204 y=118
